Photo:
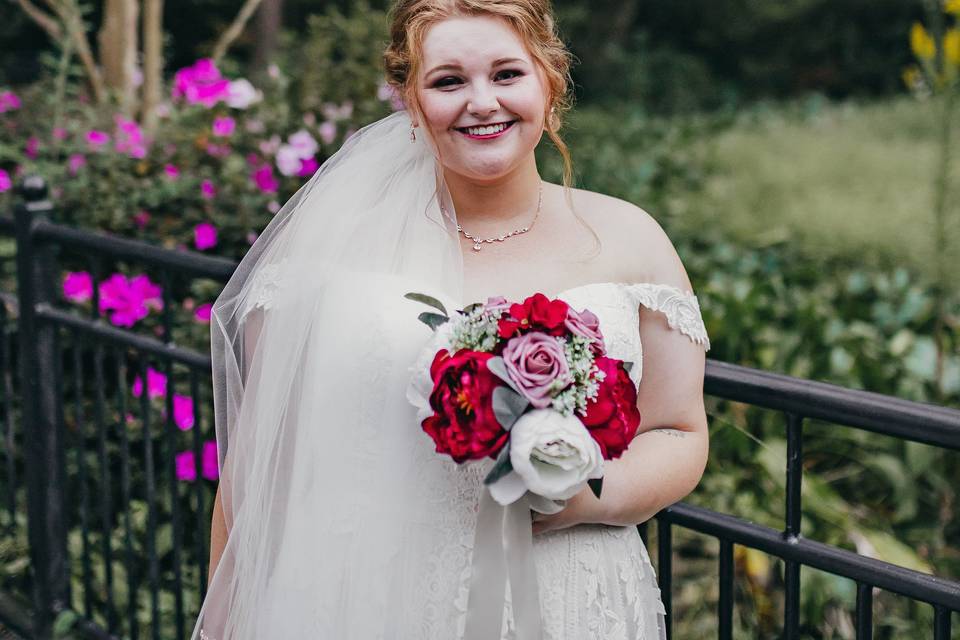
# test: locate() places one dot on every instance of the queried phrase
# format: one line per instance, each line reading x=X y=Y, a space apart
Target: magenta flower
x=186 y=466
x=32 y=147
x=202 y=313
x=96 y=139
x=5 y=182
x=207 y=190
x=141 y=218
x=172 y=172
x=223 y=127
x=129 y=300
x=186 y=463
x=156 y=384
x=201 y=84
x=307 y=167
x=75 y=162
x=204 y=236
x=130 y=138
x=264 y=179
x=78 y=286
x=183 y=412
x=9 y=101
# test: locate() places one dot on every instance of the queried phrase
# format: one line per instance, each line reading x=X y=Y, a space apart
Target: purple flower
x=202 y=313
x=201 y=84
x=156 y=384
x=130 y=138
x=497 y=304
x=208 y=460
x=171 y=171
x=207 y=190
x=130 y=300
x=204 y=236
x=75 y=162
x=585 y=323
x=327 y=131
x=78 y=286
x=223 y=127
x=264 y=179
x=537 y=365
x=5 y=182
x=307 y=167
x=96 y=139
x=141 y=218
x=186 y=466
x=183 y=412
x=9 y=101
x=32 y=147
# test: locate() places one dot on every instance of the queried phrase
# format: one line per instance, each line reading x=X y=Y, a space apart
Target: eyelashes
x=450 y=81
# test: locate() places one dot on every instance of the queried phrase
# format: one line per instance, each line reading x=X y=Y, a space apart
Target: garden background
x=800 y=154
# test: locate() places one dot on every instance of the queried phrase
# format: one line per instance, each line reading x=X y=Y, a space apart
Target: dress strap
x=681 y=309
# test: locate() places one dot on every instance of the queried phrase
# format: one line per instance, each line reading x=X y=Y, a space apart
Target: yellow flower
x=921 y=43
x=912 y=77
x=952 y=6
x=951 y=46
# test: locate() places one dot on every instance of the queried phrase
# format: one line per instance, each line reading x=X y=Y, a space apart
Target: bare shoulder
x=633 y=238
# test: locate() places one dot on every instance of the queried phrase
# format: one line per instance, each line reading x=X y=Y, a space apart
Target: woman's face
x=476 y=72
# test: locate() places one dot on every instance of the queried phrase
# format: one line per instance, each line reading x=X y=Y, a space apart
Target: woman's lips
x=490 y=136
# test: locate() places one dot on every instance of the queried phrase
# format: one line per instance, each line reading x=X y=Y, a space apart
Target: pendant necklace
x=478 y=242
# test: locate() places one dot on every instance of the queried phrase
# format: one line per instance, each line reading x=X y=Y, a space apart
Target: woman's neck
x=487 y=207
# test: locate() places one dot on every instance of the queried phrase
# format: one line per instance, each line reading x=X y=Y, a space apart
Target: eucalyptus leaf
x=502 y=467
x=497 y=367
x=432 y=320
x=508 y=405
x=470 y=307
x=596 y=485
x=628 y=365
x=428 y=300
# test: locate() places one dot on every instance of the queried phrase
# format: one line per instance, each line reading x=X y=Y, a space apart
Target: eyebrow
x=456 y=67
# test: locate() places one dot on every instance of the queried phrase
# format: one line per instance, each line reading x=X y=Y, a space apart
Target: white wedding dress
x=595 y=581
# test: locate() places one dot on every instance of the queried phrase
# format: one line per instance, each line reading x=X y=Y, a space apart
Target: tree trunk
x=269 y=23
x=234 y=30
x=118 y=50
x=152 y=62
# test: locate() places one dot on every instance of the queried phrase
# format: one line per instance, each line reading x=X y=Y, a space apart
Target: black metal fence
x=115 y=536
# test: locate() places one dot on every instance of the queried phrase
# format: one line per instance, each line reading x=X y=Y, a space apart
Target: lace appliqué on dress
x=264 y=285
x=681 y=309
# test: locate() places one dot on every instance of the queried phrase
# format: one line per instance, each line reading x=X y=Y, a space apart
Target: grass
x=853 y=180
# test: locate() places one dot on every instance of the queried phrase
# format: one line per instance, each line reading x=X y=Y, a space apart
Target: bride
x=335 y=518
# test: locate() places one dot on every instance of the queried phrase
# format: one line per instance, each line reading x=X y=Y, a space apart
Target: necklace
x=478 y=242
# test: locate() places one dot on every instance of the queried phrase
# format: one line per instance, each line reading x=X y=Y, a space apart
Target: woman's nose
x=483 y=102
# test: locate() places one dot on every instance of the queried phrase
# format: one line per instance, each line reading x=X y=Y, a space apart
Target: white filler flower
x=552 y=456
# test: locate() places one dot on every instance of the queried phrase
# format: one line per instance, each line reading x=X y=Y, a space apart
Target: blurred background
x=801 y=154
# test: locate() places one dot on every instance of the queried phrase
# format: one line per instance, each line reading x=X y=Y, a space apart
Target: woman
x=334 y=517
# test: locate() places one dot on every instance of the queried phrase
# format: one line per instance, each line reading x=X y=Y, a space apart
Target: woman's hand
x=582 y=508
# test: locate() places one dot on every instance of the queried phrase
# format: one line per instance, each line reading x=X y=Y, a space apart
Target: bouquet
x=529 y=385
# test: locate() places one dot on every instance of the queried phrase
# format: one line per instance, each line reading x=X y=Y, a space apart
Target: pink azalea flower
x=183 y=412
x=75 y=162
x=242 y=94
x=204 y=236
x=223 y=127
x=171 y=171
x=5 y=182
x=9 y=101
x=186 y=466
x=141 y=218
x=202 y=314
x=307 y=167
x=59 y=133
x=96 y=139
x=156 y=384
x=218 y=150
x=130 y=138
x=129 y=300
x=32 y=147
x=208 y=460
x=273 y=206
x=78 y=286
x=264 y=179
x=327 y=131
x=201 y=84
x=288 y=160
x=252 y=237
x=207 y=190
x=304 y=143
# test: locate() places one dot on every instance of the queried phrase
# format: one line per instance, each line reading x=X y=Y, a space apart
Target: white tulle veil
x=313 y=485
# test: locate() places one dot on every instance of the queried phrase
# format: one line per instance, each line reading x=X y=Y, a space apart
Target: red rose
x=464 y=425
x=613 y=418
x=536 y=312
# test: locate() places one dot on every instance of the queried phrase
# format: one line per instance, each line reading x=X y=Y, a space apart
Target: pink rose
x=586 y=324
x=537 y=364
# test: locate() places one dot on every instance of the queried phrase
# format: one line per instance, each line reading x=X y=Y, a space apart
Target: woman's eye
x=446 y=82
x=513 y=72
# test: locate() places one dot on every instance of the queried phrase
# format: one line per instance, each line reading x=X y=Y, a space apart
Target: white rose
x=421 y=384
x=552 y=456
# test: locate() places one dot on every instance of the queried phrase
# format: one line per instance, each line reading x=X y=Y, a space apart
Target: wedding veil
x=313 y=484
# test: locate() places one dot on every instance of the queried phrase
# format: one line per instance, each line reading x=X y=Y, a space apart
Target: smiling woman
x=336 y=517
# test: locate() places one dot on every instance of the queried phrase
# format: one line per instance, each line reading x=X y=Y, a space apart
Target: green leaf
x=502 y=467
x=497 y=367
x=427 y=300
x=64 y=623
x=470 y=307
x=628 y=365
x=432 y=320
x=596 y=485
x=508 y=406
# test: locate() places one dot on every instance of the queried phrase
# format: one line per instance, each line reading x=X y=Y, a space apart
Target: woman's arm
x=218 y=536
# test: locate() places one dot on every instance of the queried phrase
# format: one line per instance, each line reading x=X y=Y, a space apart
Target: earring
x=413 y=135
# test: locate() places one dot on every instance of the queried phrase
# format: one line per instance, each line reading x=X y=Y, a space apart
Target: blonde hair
x=531 y=19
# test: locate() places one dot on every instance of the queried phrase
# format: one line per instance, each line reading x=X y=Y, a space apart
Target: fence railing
x=115 y=536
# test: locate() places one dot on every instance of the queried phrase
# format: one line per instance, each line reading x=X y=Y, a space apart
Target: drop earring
x=413 y=134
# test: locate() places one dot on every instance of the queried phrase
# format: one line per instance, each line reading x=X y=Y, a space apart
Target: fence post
x=42 y=428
